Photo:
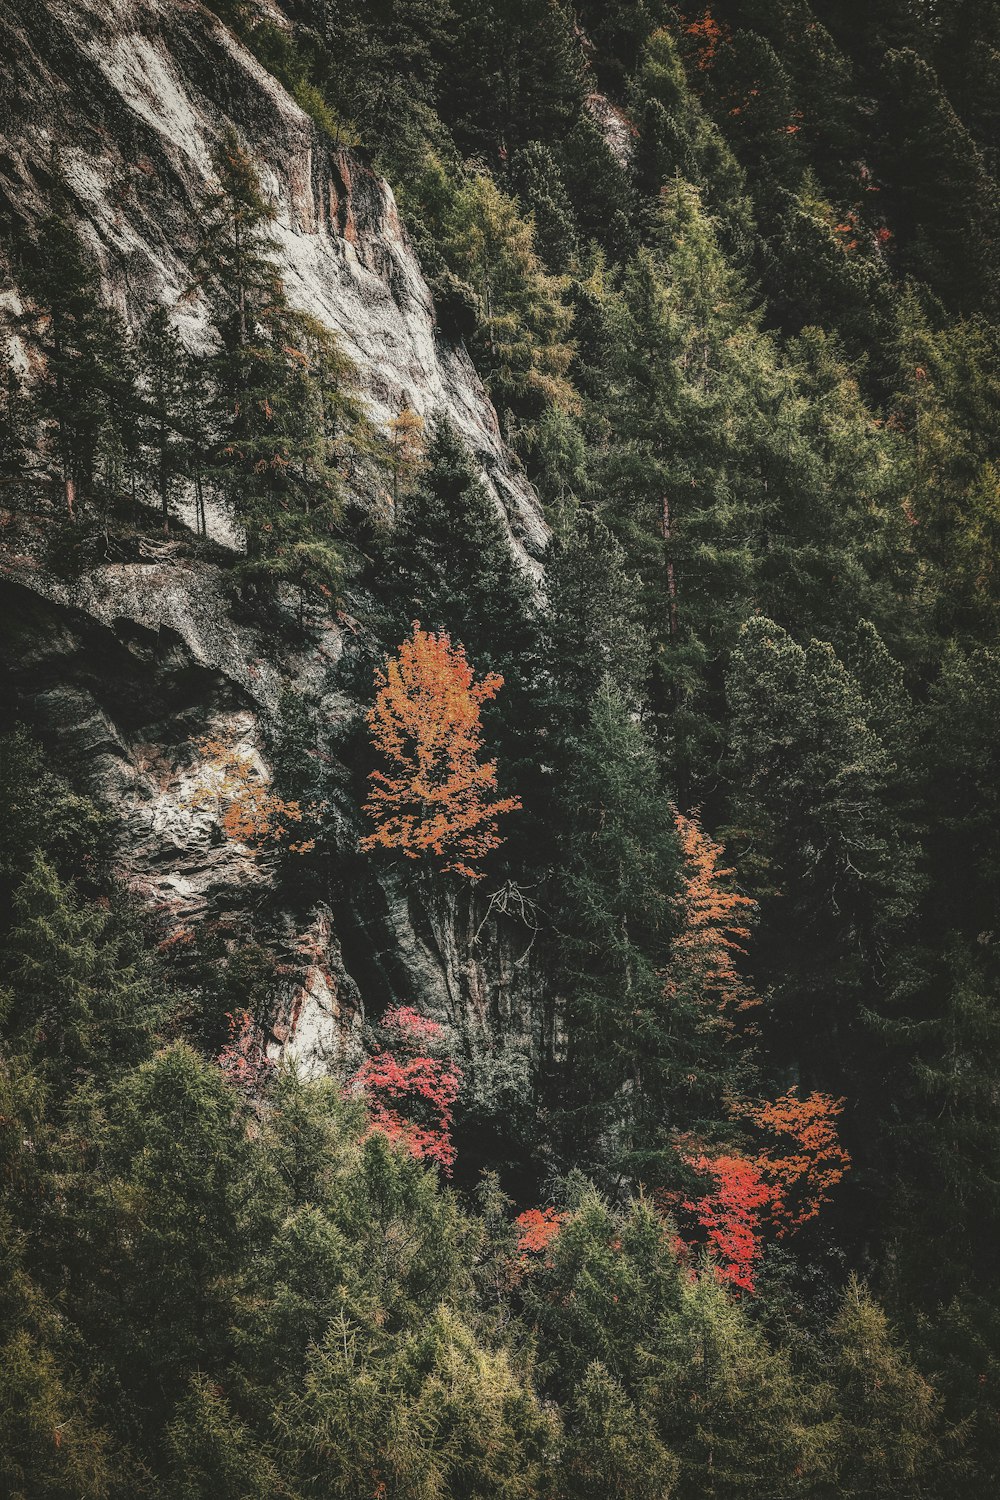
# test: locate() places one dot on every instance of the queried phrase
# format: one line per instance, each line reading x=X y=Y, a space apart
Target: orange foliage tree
x=703 y=955
x=536 y=1229
x=805 y=1158
x=249 y=811
x=783 y=1179
x=436 y=797
x=729 y=1214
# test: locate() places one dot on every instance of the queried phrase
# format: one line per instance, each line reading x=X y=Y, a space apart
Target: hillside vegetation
x=723 y=764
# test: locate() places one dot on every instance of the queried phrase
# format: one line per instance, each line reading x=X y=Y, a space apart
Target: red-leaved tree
x=244 y=1057
x=729 y=1215
x=435 y=798
x=411 y=1093
x=536 y=1229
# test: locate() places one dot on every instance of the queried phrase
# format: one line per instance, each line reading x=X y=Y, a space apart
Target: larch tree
x=435 y=799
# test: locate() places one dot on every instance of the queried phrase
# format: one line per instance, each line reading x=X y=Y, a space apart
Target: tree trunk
x=671 y=574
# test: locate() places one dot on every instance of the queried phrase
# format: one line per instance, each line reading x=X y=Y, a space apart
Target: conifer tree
x=17 y=436
x=834 y=855
x=616 y=870
x=729 y=1406
x=521 y=340
x=162 y=363
x=277 y=382
x=677 y=139
x=449 y=560
x=77 y=401
x=521 y=76
x=887 y=1437
x=943 y=202
x=83 y=997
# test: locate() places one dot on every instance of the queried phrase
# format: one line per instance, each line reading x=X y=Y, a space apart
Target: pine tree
x=520 y=75
x=609 y=1449
x=521 y=339
x=78 y=399
x=617 y=864
x=834 y=861
x=449 y=559
x=593 y=625
x=677 y=139
x=738 y=1418
x=84 y=998
x=277 y=380
x=162 y=364
x=943 y=203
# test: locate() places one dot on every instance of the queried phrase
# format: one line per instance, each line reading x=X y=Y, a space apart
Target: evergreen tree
x=162 y=364
x=277 y=382
x=677 y=139
x=729 y=1406
x=520 y=75
x=943 y=203
x=831 y=854
x=78 y=400
x=616 y=870
x=520 y=342
x=84 y=998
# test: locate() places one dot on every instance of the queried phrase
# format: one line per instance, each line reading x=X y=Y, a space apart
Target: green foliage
x=84 y=994
x=521 y=339
x=83 y=398
x=616 y=872
x=738 y=319
x=43 y=814
x=829 y=851
x=281 y=414
x=888 y=1436
x=730 y=1407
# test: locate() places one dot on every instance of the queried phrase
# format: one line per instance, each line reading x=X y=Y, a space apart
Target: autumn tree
x=410 y=1091
x=244 y=1057
x=406 y=449
x=728 y=1216
x=802 y=1157
x=706 y=951
x=435 y=800
x=250 y=812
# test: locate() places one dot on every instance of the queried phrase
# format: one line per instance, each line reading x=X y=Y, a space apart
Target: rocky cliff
x=131 y=666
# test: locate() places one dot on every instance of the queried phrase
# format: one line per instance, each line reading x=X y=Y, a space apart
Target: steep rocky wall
x=128 y=667
x=133 y=96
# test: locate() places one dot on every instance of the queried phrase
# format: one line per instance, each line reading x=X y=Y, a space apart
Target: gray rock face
x=132 y=666
x=142 y=92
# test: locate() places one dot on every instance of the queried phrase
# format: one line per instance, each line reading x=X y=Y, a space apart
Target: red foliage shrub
x=244 y=1057
x=411 y=1095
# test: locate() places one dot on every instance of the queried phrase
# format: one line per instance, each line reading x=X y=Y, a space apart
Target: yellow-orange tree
x=435 y=798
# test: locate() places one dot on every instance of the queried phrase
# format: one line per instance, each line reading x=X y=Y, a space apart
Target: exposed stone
x=614 y=124
x=142 y=93
x=130 y=667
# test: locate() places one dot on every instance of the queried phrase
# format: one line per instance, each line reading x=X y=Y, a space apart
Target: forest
x=722 y=762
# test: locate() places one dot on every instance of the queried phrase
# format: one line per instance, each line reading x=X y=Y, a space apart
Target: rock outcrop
x=143 y=91
x=132 y=664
